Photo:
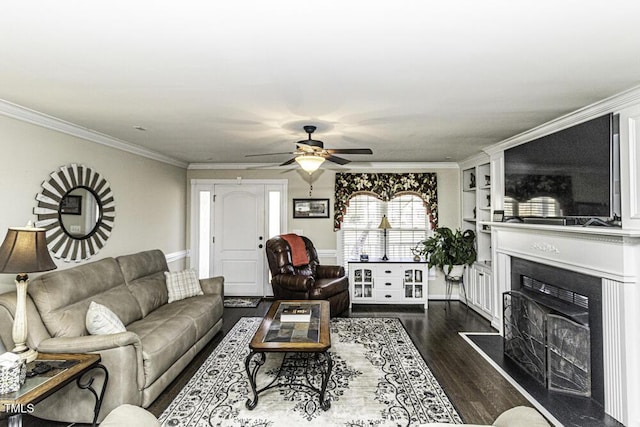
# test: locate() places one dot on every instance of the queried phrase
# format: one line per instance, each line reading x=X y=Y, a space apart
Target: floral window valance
x=385 y=186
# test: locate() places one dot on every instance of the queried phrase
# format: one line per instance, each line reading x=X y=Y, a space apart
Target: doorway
x=231 y=220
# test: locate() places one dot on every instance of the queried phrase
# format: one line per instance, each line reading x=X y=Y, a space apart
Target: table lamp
x=24 y=250
x=384 y=225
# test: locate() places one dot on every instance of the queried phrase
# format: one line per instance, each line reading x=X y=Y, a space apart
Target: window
x=407 y=215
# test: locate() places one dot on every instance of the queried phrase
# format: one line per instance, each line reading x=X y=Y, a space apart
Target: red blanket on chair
x=298 y=249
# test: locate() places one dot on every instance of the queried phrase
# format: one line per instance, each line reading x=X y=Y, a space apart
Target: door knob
x=260 y=238
x=260 y=246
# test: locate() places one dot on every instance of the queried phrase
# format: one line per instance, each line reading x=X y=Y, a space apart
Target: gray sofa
x=160 y=341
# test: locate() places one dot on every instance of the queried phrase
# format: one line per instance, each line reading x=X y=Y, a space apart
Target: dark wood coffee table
x=274 y=336
x=64 y=369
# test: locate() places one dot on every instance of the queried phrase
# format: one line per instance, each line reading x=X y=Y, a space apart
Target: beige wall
x=320 y=231
x=150 y=196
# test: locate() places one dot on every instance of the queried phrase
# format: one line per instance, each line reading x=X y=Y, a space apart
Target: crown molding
x=229 y=166
x=401 y=165
x=351 y=167
x=613 y=104
x=474 y=160
x=18 y=112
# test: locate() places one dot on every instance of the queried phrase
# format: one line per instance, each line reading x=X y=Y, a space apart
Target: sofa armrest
x=293 y=282
x=96 y=344
x=213 y=285
x=329 y=271
x=89 y=343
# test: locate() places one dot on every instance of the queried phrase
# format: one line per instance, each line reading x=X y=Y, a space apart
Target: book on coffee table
x=296 y=314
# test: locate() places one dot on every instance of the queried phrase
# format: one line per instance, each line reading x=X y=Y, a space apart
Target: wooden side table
x=38 y=386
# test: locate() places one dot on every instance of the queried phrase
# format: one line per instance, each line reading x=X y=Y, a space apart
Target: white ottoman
x=129 y=415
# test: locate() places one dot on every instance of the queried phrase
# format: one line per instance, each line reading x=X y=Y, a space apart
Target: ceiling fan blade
x=288 y=162
x=349 y=151
x=338 y=160
x=267 y=154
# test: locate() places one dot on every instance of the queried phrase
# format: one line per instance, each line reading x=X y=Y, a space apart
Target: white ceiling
x=212 y=81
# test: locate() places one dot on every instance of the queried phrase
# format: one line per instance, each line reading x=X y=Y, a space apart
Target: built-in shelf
x=476 y=216
x=476 y=203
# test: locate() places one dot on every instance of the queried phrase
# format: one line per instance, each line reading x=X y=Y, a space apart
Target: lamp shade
x=24 y=250
x=384 y=224
x=310 y=163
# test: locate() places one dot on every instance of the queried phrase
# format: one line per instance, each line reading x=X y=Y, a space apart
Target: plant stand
x=450 y=280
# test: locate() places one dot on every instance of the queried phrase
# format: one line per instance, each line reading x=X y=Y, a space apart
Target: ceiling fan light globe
x=310 y=163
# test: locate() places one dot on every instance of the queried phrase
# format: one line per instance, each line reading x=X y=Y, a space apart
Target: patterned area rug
x=378 y=379
x=241 y=302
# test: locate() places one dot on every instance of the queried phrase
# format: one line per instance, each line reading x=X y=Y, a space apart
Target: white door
x=230 y=223
x=239 y=237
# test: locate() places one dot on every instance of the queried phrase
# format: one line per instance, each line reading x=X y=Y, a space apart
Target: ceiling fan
x=310 y=153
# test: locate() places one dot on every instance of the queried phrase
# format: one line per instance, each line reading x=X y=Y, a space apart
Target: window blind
x=360 y=233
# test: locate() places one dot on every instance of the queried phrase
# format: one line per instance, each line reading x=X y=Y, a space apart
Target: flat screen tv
x=570 y=173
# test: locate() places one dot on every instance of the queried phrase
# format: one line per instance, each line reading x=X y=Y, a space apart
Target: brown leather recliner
x=310 y=281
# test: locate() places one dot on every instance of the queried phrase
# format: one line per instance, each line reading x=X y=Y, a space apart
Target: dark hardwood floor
x=478 y=392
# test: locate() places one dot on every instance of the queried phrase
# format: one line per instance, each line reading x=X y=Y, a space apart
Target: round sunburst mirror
x=77 y=209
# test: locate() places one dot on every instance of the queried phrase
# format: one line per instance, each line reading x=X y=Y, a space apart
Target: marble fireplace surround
x=611 y=254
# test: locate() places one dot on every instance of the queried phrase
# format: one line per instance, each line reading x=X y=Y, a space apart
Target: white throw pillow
x=182 y=284
x=102 y=321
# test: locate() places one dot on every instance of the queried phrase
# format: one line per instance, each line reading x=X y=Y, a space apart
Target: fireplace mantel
x=611 y=254
x=571 y=229
x=606 y=252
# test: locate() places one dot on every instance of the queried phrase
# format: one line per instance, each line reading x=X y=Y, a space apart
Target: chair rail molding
x=177 y=256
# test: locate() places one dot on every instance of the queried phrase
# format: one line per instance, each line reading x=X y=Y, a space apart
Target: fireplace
x=601 y=264
x=553 y=328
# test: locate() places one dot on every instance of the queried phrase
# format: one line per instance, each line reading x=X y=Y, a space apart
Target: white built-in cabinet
x=480 y=290
x=388 y=282
x=477 y=211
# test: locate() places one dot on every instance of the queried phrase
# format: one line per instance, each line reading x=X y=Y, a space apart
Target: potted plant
x=449 y=250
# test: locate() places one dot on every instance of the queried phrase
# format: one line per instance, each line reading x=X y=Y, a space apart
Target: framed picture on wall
x=71 y=205
x=311 y=208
